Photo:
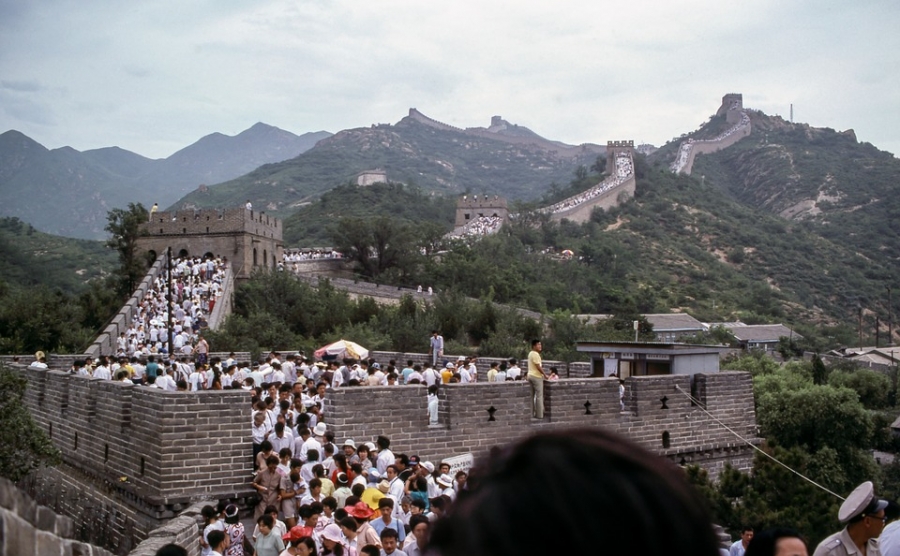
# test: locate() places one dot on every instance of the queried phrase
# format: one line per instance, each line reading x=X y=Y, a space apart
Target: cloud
x=154 y=77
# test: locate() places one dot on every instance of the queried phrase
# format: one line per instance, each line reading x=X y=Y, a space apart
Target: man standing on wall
x=536 y=378
x=436 y=349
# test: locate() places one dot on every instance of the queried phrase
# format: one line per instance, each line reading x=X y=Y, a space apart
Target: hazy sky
x=155 y=76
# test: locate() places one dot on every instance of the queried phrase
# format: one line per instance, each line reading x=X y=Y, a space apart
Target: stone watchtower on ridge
x=247 y=238
x=732 y=106
x=615 y=147
x=470 y=207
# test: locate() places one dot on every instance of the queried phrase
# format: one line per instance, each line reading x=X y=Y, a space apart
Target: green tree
x=26 y=447
x=123 y=226
x=820 y=372
x=873 y=388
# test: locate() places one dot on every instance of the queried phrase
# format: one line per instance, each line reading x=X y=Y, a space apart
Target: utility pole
x=890 y=319
x=877 y=332
x=859 y=326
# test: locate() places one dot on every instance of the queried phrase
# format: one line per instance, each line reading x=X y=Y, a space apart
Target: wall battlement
x=150 y=453
x=213 y=221
x=247 y=238
x=470 y=207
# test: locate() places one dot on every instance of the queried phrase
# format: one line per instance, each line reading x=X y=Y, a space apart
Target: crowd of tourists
x=480 y=226
x=623 y=171
x=319 y=494
x=684 y=150
x=298 y=255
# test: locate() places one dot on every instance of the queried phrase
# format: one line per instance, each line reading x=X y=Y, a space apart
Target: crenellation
x=148 y=449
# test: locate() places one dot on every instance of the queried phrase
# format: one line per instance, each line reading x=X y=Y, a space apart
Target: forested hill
x=440 y=160
x=68 y=192
x=682 y=244
x=29 y=257
x=842 y=189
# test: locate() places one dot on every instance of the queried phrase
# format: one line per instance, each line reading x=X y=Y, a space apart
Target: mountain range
x=791 y=221
x=67 y=192
x=503 y=159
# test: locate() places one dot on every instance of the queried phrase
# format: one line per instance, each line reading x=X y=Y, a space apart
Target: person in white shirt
x=415 y=375
x=385 y=456
x=283 y=438
x=740 y=546
x=102 y=370
x=445 y=482
x=304 y=443
x=433 y=404
x=430 y=376
x=513 y=372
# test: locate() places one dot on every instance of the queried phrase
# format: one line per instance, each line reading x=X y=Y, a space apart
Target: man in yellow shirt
x=447 y=373
x=536 y=378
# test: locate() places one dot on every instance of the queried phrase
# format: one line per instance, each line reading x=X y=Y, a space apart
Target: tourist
x=234 y=530
x=218 y=543
x=385 y=456
x=435 y=345
x=299 y=542
x=863 y=515
x=415 y=543
x=777 y=542
x=386 y=519
x=365 y=534
x=536 y=378
x=171 y=549
x=740 y=546
x=267 y=542
x=332 y=541
x=267 y=483
x=211 y=523
x=643 y=506
x=389 y=542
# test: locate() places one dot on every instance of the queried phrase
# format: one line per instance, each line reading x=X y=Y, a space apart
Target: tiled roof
x=761 y=332
x=663 y=322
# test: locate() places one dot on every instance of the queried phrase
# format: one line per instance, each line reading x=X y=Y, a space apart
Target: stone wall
x=475 y=417
x=223 y=303
x=612 y=198
x=322 y=267
x=707 y=147
x=28 y=528
x=141 y=454
x=105 y=344
x=136 y=457
x=248 y=239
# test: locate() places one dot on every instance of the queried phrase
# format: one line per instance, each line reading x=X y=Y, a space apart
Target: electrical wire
x=754 y=446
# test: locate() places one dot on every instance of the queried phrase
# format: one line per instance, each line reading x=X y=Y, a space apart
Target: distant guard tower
x=470 y=207
x=732 y=107
x=247 y=238
x=615 y=147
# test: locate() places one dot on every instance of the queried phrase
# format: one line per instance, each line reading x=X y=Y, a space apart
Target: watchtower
x=470 y=207
x=615 y=147
x=247 y=238
x=732 y=106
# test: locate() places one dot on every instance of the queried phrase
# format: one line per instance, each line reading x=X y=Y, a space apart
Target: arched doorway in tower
x=265 y=257
x=254 y=257
x=183 y=254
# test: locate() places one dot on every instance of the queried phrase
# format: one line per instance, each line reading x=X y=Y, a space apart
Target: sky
x=155 y=76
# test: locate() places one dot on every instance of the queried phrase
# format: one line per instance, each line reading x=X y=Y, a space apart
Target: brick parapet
x=152 y=453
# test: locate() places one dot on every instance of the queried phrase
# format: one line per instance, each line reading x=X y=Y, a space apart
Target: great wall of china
x=137 y=462
x=497 y=124
x=733 y=110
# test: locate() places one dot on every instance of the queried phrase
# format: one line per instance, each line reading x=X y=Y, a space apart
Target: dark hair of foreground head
x=579 y=491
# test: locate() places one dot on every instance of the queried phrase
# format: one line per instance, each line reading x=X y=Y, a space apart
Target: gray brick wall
x=143 y=455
